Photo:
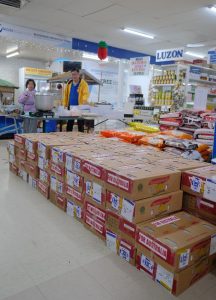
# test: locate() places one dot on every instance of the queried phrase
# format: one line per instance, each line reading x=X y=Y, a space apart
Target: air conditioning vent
x=14 y=3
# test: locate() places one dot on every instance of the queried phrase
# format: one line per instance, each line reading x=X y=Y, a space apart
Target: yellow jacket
x=83 y=92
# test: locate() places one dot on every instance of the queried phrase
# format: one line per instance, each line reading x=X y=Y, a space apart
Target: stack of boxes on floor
x=132 y=202
x=199 y=188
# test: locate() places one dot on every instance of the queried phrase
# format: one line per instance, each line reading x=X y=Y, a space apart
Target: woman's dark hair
x=30 y=80
x=75 y=70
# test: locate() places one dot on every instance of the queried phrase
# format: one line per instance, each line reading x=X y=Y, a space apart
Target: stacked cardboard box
x=199 y=188
x=120 y=192
x=176 y=250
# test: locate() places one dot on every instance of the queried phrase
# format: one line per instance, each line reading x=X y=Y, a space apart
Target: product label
x=165 y=278
x=44 y=176
x=41 y=163
x=42 y=187
x=153 y=246
x=77 y=166
x=73 y=179
x=88 y=190
x=53 y=184
x=184 y=259
x=30 y=155
x=70 y=208
x=11 y=158
x=96 y=212
x=56 y=169
x=94 y=224
x=69 y=162
x=115 y=201
x=60 y=187
x=196 y=184
x=55 y=155
x=111 y=241
x=72 y=192
x=91 y=169
x=147 y=264
x=30 y=146
x=213 y=245
x=11 y=148
x=165 y=221
x=210 y=190
x=18 y=139
x=42 y=149
x=128 y=210
x=124 y=253
x=118 y=181
x=97 y=192
x=78 y=211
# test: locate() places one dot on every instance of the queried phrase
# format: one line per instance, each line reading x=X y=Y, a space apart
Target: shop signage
x=139 y=66
x=23 y=33
x=38 y=72
x=169 y=54
x=212 y=57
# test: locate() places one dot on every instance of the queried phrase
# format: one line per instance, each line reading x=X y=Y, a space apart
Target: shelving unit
x=162 y=93
x=193 y=83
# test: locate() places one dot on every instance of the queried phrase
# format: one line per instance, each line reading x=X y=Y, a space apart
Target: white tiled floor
x=44 y=254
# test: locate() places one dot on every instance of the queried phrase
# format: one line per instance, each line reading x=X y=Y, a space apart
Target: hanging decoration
x=102 y=50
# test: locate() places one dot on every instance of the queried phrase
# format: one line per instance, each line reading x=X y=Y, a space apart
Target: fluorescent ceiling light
x=93 y=56
x=12 y=54
x=13 y=49
x=194 y=54
x=213 y=8
x=133 y=31
x=195 y=45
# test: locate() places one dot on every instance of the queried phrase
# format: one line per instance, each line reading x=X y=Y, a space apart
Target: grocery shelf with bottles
x=164 y=82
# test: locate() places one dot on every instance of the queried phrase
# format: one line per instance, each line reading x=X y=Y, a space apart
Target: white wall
x=9 y=68
x=144 y=82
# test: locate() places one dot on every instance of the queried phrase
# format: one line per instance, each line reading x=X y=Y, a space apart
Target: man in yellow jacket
x=76 y=93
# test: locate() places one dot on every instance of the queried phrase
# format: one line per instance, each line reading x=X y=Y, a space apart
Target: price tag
x=128 y=210
x=124 y=253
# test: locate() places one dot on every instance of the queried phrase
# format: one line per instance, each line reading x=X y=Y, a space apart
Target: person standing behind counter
x=76 y=93
x=27 y=99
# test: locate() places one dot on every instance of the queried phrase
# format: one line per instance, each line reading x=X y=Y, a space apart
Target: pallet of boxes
x=130 y=198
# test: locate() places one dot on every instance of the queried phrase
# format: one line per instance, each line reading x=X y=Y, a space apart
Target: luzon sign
x=169 y=54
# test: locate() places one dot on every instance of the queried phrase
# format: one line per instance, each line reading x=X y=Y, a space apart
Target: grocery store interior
x=107 y=150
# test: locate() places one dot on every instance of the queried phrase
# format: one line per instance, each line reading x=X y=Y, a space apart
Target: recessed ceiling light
x=194 y=54
x=195 y=45
x=139 y=33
